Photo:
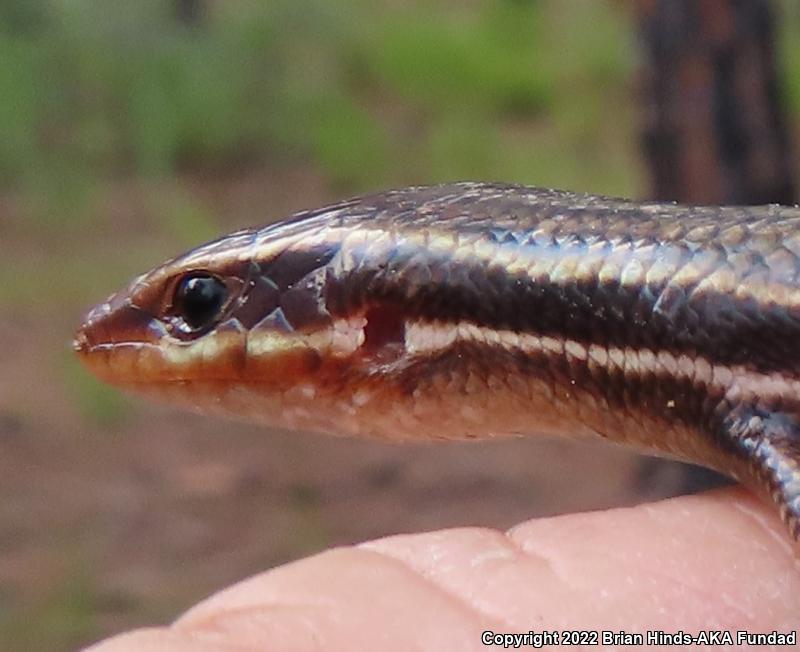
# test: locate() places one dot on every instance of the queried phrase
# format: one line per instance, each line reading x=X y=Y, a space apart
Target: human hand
x=718 y=561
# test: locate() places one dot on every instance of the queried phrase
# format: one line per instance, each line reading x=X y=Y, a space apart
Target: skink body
x=474 y=310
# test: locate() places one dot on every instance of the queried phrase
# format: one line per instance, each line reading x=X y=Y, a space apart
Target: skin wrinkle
x=500 y=537
x=529 y=549
x=646 y=571
x=230 y=621
x=621 y=560
x=189 y=623
x=566 y=577
x=358 y=554
x=498 y=624
x=348 y=610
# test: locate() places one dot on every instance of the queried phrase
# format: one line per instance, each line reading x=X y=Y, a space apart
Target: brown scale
x=474 y=310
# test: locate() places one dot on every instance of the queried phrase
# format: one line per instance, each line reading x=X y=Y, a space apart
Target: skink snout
x=92 y=330
x=111 y=328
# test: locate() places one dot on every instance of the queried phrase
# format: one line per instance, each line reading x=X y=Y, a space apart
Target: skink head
x=224 y=312
x=246 y=324
x=356 y=318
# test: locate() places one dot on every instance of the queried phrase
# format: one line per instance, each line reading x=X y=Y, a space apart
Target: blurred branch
x=715 y=129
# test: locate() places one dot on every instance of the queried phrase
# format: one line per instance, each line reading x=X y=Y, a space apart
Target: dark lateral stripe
x=715 y=325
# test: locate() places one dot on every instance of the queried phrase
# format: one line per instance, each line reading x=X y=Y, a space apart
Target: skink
x=477 y=310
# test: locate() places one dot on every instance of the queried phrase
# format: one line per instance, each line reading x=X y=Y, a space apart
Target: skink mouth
x=126 y=345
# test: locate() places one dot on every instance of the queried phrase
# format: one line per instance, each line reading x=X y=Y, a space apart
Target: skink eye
x=199 y=298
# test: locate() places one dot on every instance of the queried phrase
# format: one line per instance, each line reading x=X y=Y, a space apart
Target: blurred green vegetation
x=789 y=54
x=369 y=93
x=63 y=616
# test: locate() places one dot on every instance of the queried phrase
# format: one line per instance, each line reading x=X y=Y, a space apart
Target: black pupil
x=199 y=299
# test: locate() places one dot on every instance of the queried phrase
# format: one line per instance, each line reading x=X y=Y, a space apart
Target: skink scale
x=477 y=310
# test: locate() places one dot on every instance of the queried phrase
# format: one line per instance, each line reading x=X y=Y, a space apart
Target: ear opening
x=385 y=330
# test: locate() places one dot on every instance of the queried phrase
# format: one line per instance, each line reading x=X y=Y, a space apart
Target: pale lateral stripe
x=426 y=338
x=341 y=339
